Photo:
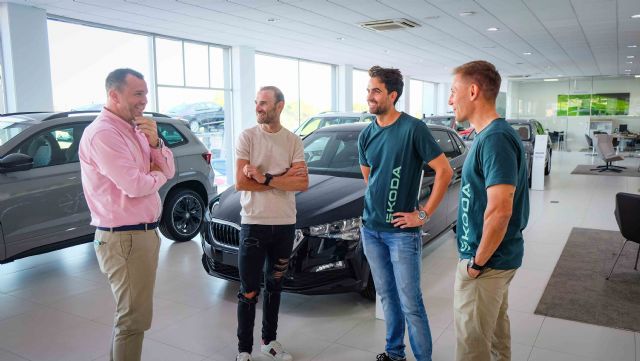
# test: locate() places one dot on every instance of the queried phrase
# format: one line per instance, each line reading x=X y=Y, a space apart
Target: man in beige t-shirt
x=270 y=168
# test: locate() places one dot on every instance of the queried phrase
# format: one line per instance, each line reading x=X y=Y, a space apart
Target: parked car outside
x=42 y=205
x=326 y=119
x=463 y=128
x=327 y=255
x=209 y=115
x=528 y=129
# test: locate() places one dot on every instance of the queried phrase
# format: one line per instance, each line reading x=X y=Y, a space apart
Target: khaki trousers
x=480 y=314
x=129 y=259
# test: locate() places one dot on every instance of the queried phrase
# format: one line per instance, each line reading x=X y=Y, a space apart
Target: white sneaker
x=243 y=356
x=276 y=352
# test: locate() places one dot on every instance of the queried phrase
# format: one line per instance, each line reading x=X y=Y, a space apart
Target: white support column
x=404 y=102
x=25 y=52
x=244 y=95
x=442 y=107
x=345 y=88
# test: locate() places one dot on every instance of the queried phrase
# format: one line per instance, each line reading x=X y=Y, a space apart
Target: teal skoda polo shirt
x=496 y=157
x=396 y=155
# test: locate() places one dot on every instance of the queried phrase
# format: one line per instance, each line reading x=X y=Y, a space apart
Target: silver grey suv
x=42 y=205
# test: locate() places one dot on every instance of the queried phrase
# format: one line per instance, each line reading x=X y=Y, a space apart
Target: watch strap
x=267 y=178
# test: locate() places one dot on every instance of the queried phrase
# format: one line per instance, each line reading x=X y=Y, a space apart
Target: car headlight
x=347 y=229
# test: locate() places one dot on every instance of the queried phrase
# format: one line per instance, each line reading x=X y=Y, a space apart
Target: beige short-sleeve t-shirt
x=272 y=153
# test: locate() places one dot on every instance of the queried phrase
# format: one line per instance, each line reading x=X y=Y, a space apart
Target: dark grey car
x=327 y=255
x=528 y=129
x=42 y=205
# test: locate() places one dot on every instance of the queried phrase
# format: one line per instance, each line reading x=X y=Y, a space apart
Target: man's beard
x=267 y=119
x=379 y=109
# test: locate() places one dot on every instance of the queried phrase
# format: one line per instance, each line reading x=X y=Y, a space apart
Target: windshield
x=10 y=127
x=523 y=130
x=333 y=153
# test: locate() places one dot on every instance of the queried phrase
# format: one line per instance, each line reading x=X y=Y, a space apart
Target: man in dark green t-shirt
x=493 y=211
x=393 y=151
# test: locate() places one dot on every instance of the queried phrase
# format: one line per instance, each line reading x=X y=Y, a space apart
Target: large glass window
x=191 y=86
x=360 y=84
x=307 y=86
x=78 y=76
x=422 y=98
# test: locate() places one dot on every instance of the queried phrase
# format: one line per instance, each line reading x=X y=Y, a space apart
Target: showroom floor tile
x=58 y=306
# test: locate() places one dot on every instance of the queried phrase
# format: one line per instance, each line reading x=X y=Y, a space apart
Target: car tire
x=194 y=125
x=182 y=215
x=369 y=292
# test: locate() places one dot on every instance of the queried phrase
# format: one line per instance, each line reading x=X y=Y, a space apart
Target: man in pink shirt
x=123 y=164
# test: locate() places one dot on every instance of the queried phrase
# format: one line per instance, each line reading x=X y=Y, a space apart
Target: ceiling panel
x=568 y=37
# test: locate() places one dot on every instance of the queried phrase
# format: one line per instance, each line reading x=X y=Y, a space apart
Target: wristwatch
x=267 y=178
x=423 y=216
x=472 y=264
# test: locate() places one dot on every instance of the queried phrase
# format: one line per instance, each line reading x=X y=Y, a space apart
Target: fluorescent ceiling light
x=526 y=53
x=340 y=38
x=627 y=70
x=467 y=13
x=493 y=29
x=632 y=46
x=637 y=76
x=273 y=20
x=630 y=56
x=636 y=16
x=551 y=79
x=629 y=62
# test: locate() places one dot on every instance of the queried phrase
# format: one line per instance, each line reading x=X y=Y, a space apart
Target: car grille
x=225 y=233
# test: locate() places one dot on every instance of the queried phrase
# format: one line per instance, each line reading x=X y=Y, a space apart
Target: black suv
x=42 y=205
x=327 y=254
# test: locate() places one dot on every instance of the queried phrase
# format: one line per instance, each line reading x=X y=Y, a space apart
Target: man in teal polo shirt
x=493 y=211
x=393 y=151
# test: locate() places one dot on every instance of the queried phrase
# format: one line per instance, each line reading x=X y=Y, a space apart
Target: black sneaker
x=384 y=357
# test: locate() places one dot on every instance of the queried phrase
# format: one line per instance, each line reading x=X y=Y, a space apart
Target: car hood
x=329 y=198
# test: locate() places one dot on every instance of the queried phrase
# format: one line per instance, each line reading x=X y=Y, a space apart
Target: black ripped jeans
x=257 y=244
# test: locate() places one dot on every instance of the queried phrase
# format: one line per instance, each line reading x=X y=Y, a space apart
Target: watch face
x=422 y=215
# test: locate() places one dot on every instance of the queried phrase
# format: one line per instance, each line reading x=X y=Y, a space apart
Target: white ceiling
x=565 y=37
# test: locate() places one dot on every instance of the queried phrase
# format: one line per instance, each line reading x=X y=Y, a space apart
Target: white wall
x=538 y=99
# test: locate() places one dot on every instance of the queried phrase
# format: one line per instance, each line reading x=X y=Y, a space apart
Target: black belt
x=133 y=227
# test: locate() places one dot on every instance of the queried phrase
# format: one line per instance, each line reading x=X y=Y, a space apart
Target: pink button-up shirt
x=115 y=160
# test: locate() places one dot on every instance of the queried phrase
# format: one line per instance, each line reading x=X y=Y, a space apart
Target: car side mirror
x=15 y=162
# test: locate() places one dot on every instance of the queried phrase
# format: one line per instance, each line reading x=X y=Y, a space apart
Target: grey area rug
x=578 y=290
x=631 y=171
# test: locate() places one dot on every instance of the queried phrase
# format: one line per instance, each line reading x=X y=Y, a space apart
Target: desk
x=624 y=137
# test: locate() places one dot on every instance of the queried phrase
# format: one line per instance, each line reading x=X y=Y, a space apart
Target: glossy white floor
x=58 y=306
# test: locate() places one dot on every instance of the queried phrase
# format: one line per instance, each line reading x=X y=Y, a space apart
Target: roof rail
x=20 y=113
x=66 y=114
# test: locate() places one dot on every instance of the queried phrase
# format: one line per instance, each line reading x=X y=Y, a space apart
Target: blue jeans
x=395 y=259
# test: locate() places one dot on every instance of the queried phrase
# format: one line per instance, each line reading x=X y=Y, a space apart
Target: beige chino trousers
x=129 y=260
x=480 y=314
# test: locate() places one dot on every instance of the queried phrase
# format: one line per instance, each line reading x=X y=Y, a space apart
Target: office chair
x=627 y=210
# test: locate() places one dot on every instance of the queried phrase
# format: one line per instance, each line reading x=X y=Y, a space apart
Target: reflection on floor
x=58 y=306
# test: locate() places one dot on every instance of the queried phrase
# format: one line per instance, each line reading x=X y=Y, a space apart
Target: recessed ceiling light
x=340 y=38
x=629 y=62
x=636 y=16
x=526 y=53
x=632 y=46
x=467 y=13
x=627 y=70
x=493 y=29
x=630 y=56
x=273 y=20
x=551 y=79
